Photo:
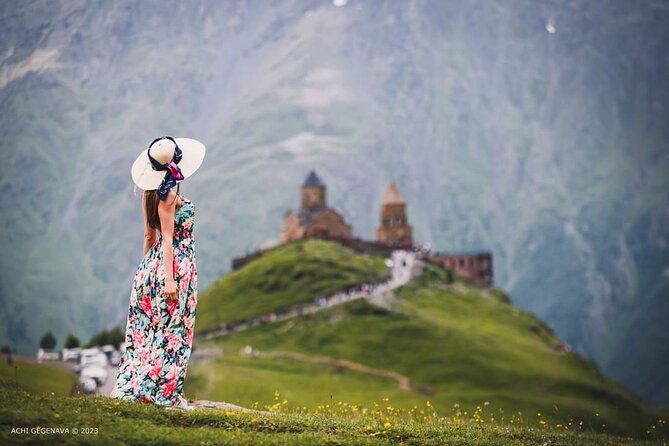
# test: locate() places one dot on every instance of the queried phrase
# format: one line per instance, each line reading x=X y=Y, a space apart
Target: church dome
x=313 y=180
x=392 y=196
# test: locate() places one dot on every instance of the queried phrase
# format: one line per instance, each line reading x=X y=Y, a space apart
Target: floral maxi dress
x=159 y=332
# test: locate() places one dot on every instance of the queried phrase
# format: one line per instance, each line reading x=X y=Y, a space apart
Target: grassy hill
x=291 y=274
x=445 y=363
x=35 y=378
x=456 y=346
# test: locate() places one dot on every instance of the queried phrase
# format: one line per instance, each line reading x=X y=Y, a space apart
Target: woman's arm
x=166 y=211
x=149 y=238
x=149 y=232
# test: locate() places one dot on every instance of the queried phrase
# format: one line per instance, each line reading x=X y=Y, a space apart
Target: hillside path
x=405 y=265
x=403 y=381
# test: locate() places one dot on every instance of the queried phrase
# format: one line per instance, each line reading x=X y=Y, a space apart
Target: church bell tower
x=313 y=192
x=395 y=229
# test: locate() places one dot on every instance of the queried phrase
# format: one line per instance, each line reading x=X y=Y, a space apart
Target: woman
x=163 y=301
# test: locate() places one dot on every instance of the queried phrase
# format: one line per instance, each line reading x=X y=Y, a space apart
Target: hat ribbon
x=173 y=173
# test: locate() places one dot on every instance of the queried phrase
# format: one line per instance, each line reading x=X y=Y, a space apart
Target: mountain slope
x=446 y=342
x=536 y=130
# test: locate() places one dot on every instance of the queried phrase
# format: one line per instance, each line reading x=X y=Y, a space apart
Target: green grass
x=469 y=345
x=246 y=381
x=112 y=421
x=292 y=274
x=483 y=373
x=35 y=378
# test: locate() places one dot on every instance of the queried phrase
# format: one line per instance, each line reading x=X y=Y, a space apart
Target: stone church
x=314 y=218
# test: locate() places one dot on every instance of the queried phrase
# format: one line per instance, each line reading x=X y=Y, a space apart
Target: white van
x=47 y=355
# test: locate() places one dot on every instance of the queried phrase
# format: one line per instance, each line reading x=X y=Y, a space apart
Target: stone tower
x=313 y=192
x=395 y=229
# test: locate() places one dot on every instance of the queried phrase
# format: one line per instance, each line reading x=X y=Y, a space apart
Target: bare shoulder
x=170 y=203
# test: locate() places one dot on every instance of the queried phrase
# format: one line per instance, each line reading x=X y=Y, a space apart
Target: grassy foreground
x=102 y=420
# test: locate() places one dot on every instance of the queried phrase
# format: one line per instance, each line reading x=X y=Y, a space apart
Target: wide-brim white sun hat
x=163 y=150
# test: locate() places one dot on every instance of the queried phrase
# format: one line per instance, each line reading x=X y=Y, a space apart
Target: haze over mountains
x=536 y=130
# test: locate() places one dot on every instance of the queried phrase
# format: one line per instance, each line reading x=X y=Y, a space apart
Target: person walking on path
x=163 y=300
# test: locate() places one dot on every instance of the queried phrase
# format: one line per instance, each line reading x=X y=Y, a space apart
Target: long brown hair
x=151 y=201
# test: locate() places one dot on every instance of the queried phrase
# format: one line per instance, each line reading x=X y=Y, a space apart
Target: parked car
x=93 y=356
x=113 y=355
x=94 y=371
x=107 y=349
x=47 y=355
x=88 y=385
x=115 y=358
x=72 y=354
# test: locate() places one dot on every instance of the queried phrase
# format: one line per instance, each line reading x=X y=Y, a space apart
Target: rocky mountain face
x=537 y=130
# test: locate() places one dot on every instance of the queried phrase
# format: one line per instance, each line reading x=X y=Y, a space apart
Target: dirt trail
x=403 y=381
